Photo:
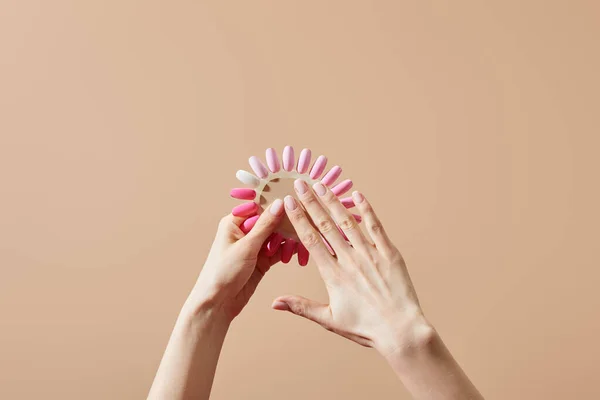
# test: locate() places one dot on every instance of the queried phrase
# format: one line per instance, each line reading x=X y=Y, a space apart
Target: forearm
x=428 y=370
x=188 y=366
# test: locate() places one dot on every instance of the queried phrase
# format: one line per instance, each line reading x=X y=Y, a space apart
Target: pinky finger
x=373 y=225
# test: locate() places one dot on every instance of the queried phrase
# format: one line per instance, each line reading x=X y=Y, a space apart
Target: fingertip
x=358 y=197
x=280 y=305
x=276 y=207
x=290 y=203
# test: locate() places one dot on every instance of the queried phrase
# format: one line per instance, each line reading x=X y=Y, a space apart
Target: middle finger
x=321 y=217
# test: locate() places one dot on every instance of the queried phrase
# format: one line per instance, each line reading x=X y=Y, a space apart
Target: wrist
x=205 y=309
x=406 y=335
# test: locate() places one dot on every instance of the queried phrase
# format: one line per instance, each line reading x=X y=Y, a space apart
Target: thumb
x=303 y=307
x=265 y=225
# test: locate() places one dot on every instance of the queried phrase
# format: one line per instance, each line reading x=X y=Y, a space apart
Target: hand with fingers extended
x=371 y=298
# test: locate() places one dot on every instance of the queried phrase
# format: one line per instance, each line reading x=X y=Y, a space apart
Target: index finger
x=307 y=234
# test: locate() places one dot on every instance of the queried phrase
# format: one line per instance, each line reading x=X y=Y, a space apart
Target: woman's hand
x=236 y=263
x=234 y=267
x=371 y=298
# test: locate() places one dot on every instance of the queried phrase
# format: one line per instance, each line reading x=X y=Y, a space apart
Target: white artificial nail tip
x=247 y=178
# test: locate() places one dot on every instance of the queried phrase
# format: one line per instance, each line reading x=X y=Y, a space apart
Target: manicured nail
x=347 y=202
x=243 y=193
x=290 y=203
x=280 y=305
x=300 y=186
x=287 y=250
x=302 y=255
x=276 y=207
x=258 y=167
x=274 y=243
x=245 y=209
x=288 y=158
x=248 y=224
x=273 y=160
x=342 y=187
x=319 y=188
x=358 y=197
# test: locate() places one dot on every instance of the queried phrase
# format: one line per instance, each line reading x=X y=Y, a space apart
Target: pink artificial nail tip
x=347 y=202
x=288 y=158
x=248 y=224
x=243 y=193
x=287 y=250
x=245 y=209
x=273 y=160
x=304 y=161
x=331 y=176
x=258 y=167
x=318 y=167
x=274 y=243
x=342 y=187
x=303 y=255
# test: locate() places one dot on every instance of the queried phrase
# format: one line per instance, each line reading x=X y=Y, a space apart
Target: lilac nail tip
x=273 y=160
x=288 y=158
x=258 y=167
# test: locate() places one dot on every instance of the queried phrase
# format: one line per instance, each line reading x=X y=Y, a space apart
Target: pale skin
x=372 y=300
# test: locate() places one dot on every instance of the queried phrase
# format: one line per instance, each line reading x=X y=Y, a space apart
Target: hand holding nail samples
x=285 y=169
x=371 y=297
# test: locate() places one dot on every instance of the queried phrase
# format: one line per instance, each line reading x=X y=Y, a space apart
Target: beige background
x=472 y=126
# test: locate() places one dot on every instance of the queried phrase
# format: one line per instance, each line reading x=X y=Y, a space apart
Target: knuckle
x=329 y=198
x=311 y=239
x=367 y=209
x=325 y=225
x=376 y=227
x=396 y=256
x=309 y=199
x=348 y=224
x=297 y=216
x=224 y=221
x=297 y=308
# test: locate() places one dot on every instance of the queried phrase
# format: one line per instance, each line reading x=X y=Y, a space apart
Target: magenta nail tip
x=243 y=193
x=347 y=202
x=245 y=209
x=248 y=224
